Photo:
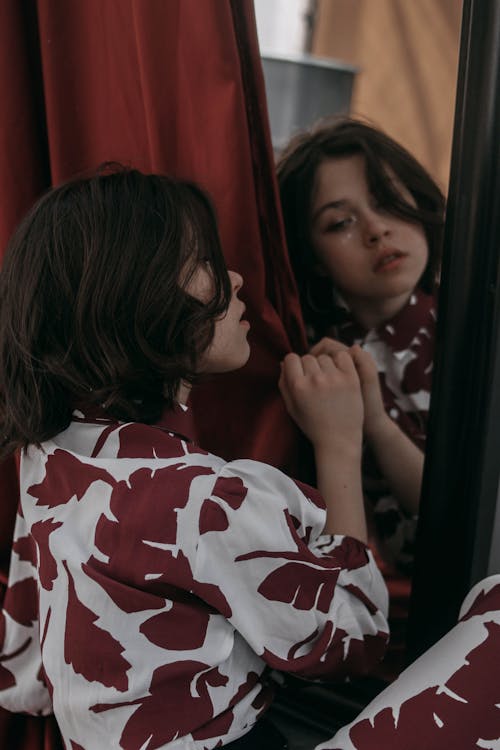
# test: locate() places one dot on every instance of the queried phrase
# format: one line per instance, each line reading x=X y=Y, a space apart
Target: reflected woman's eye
x=339 y=225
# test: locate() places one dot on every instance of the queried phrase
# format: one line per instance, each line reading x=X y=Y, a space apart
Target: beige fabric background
x=406 y=52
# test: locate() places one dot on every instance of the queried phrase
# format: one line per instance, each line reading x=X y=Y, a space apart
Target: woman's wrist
x=341 y=449
x=383 y=428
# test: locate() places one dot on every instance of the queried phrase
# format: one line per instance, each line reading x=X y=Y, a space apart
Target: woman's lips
x=388 y=261
x=242 y=319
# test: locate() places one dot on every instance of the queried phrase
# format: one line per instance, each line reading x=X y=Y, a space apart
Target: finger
x=285 y=393
x=310 y=364
x=344 y=362
x=326 y=363
x=327 y=346
x=364 y=363
x=291 y=367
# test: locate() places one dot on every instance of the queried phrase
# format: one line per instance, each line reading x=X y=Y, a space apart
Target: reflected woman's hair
x=384 y=160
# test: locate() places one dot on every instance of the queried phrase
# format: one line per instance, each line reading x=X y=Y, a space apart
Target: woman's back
x=161 y=591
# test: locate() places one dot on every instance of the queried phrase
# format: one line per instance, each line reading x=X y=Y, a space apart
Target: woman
x=153 y=586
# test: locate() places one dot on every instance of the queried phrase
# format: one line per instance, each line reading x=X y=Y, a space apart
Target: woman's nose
x=376 y=227
x=236 y=280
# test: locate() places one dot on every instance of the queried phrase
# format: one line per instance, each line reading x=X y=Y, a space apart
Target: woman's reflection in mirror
x=364 y=223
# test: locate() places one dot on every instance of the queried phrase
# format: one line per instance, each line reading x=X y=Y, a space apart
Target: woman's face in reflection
x=370 y=254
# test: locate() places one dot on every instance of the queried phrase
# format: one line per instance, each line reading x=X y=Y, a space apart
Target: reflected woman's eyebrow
x=342 y=203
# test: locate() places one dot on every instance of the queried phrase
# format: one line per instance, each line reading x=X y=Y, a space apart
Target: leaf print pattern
x=162 y=576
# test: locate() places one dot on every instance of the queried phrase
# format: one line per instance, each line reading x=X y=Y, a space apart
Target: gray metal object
x=303 y=89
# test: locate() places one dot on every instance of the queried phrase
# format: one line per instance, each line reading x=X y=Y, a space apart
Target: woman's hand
x=322 y=394
x=329 y=346
x=375 y=416
x=399 y=460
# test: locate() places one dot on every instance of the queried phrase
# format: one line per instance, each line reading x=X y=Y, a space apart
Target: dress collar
x=401 y=329
x=178 y=420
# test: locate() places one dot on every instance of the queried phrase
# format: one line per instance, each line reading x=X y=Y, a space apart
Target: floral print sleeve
x=22 y=684
x=169 y=583
x=449 y=697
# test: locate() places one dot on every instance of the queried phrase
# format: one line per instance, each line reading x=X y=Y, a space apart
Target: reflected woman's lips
x=388 y=260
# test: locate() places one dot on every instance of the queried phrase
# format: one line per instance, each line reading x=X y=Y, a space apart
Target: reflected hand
x=376 y=417
x=329 y=346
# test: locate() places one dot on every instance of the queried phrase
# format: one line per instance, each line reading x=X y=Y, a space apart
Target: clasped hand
x=327 y=390
x=375 y=416
x=323 y=395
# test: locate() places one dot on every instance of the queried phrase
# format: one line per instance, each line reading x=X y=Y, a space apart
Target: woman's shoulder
x=99 y=436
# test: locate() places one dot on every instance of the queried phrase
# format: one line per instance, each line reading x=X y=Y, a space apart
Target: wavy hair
x=93 y=303
x=345 y=136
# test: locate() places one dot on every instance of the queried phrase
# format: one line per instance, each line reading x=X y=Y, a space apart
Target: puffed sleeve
x=22 y=685
x=307 y=603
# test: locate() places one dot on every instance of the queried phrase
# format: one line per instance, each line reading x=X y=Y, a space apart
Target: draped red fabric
x=170 y=86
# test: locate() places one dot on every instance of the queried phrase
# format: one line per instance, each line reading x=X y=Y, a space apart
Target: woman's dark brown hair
x=344 y=136
x=93 y=310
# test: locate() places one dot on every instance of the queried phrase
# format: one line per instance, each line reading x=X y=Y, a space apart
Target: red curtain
x=171 y=86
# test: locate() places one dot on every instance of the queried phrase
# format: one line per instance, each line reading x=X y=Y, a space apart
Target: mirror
x=392 y=63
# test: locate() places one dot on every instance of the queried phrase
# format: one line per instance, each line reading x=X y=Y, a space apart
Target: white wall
x=281 y=26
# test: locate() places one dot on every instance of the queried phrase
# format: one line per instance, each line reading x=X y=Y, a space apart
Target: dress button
x=394 y=413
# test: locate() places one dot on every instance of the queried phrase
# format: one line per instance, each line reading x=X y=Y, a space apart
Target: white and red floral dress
x=153 y=586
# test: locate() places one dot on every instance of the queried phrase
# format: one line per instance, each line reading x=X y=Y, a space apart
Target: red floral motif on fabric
x=47 y=569
x=126 y=597
x=103 y=662
x=182 y=628
x=484 y=602
x=306 y=533
x=423 y=347
x=21 y=601
x=71 y=477
x=163 y=492
x=186 y=697
x=7 y=679
x=311 y=493
x=212 y=518
x=145 y=441
x=350 y=553
x=230 y=489
x=26 y=549
x=303 y=588
x=436 y=719
x=359 y=594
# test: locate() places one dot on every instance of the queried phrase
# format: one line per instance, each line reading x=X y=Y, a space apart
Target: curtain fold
x=170 y=86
